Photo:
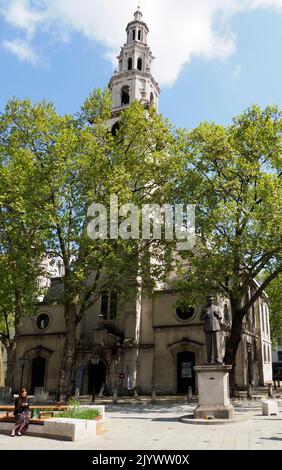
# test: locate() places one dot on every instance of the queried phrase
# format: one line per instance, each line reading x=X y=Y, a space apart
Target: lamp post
x=94 y=361
x=24 y=361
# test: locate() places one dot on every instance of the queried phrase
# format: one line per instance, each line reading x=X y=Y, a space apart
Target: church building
x=149 y=343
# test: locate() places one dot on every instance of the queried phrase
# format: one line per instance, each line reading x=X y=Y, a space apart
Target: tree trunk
x=232 y=346
x=137 y=333
x=1 y=367
x=68 y=361
x=11 y=347
x=11 y=364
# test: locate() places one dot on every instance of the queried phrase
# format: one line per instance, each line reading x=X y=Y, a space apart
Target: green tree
x=274 y=292
x=233 y=176
x=75 y=162
x=21 y=236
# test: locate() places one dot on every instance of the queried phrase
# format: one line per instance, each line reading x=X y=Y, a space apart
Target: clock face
x=42 y=321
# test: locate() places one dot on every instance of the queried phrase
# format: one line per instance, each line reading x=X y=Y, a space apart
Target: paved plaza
x=145 y=426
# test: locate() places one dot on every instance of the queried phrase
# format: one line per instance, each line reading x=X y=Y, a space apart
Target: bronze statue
x=211 y=316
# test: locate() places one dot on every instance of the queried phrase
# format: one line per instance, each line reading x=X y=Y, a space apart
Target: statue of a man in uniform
x=211 y=316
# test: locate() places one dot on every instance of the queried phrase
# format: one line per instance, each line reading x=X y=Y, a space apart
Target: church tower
x=133 y=80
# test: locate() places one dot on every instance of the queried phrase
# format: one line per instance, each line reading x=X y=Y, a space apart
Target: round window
x=185 y=312
x=42 y=321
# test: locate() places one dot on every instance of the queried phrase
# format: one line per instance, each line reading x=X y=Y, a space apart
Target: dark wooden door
x=38 y=373
x=96 y=377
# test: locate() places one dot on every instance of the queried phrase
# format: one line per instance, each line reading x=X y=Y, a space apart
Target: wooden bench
x=12 y=419
x=49 y=414
x=44 y=412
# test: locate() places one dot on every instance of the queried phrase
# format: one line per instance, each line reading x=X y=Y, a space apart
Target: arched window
x=262 y=317
x=152 y=97
x=139 y=63
x=113 y=305
x=266 y=320
x=109 y=303
x=125 y=95
x=104 y=304
x=133 y=34
x=129 y=63
x=139 y=34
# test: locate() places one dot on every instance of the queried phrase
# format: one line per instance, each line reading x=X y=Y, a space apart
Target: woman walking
x=21 y=413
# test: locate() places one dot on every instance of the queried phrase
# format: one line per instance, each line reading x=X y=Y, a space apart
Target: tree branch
x=260 y=290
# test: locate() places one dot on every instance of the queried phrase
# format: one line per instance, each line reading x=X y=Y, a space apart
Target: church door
x=96 y=377
x=185 y=371
x=38 y=373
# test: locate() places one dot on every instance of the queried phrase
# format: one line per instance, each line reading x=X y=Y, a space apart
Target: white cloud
x=22 y=50
x=276 y=4
x=19 y=14
x=179 y=29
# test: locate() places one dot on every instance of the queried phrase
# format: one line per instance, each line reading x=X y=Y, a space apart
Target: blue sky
x=216 y=90
x=212 y=63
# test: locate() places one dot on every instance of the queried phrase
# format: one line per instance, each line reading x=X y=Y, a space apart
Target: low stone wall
x=67 y=429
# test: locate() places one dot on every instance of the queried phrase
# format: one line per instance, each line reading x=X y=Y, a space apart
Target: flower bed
x=79 y=413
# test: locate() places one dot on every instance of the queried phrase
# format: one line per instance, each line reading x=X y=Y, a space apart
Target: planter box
x=100 y=408
x=67 y=429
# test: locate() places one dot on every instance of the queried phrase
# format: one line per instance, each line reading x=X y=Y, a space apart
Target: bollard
x=153 y=396
x=270 y=392
x=189 y=394
x=114 y=396
x=250 y=392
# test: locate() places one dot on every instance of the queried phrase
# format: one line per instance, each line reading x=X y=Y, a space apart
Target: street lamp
x=24 y=361
x=94 y=361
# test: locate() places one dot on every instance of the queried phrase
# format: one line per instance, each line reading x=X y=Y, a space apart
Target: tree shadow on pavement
x=271 y=438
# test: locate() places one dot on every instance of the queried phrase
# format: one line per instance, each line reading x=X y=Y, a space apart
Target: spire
x=133 y=80
x=138 y=14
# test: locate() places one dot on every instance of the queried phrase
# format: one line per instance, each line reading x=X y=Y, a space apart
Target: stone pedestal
x=213 y=392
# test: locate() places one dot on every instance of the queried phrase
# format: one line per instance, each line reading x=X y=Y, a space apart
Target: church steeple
x=137 y=30
x=133 y=80
x=138 y=15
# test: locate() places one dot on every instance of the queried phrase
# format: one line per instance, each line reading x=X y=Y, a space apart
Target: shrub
x=78 y=413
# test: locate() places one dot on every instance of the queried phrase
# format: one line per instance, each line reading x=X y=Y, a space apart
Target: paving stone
x=157 y=427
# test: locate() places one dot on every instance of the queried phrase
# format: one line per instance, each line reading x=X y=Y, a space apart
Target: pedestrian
x=21 y=413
